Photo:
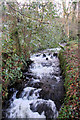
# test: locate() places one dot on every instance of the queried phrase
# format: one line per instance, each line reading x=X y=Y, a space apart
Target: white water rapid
x=42 y=91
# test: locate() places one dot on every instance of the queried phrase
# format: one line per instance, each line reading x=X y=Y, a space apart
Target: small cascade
x=43 y=93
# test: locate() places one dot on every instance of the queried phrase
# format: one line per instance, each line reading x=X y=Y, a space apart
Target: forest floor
x=70 y=66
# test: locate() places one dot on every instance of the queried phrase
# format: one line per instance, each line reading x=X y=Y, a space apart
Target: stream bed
x=43 y=92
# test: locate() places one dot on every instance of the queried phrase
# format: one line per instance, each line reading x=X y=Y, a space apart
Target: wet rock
x=46 y=58
x=11 y=91
x=26 y=67
x=55 y=93
x=28 y=75
x=43 y=64
x=46 y=93
x=35 y=84
x=30 y=93
x=29 y=62
x=51 y=56
x=55 y=54
x=59 y=93
x=57 y=64
x=56 y=73
x=44 y=55
x=46 y=64
x=51 y=81
x=37 y=55
x=27 y=94
x=18 y=95
x=43 y=105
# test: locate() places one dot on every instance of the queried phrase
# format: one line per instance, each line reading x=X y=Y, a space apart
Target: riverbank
x=69 y=60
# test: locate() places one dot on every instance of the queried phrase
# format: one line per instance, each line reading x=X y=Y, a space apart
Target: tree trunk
x=79 y=33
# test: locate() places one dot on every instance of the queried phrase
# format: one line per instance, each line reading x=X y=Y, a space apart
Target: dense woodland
x=29 y=28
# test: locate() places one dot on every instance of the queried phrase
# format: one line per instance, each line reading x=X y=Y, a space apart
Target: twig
x=27 y=16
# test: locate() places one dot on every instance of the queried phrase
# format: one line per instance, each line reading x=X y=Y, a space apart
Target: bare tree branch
x=26 y=15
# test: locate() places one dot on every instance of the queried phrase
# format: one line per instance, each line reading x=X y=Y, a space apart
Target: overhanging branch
x=26 y=15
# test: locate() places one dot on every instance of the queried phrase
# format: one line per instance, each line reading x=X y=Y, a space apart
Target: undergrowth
x=69 y=59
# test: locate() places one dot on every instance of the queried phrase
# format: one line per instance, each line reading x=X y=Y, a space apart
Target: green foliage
x=27 y=28
x=11 y=72
x=0 y=87
x=68 y=58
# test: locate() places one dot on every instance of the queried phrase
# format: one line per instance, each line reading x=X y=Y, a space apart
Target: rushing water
x=44 y=91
